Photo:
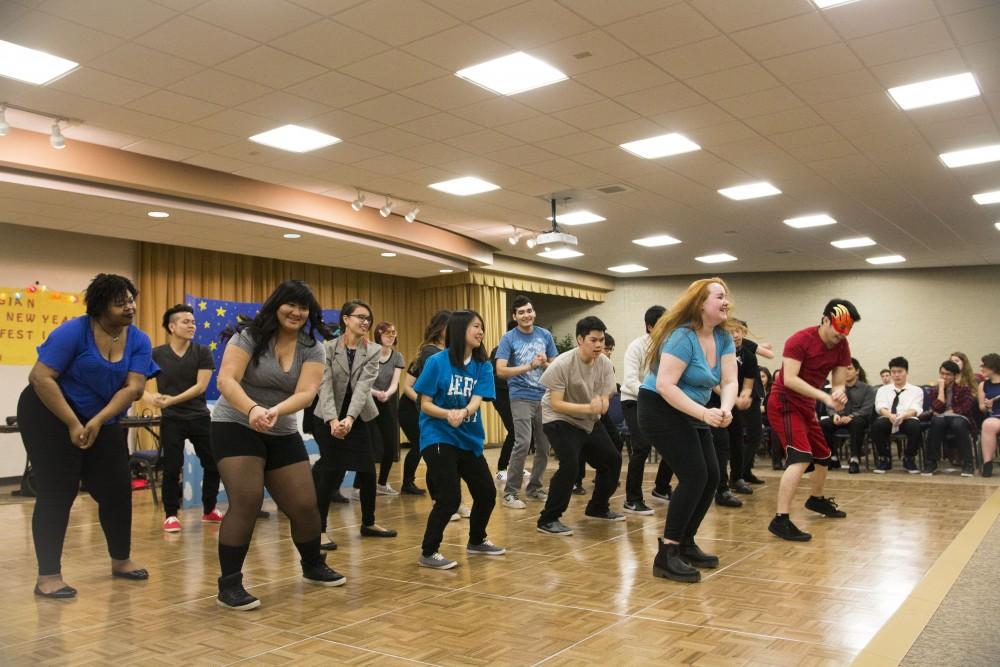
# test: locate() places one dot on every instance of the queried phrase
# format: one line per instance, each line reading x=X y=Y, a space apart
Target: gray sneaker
x=610 y=515
x=557 y=528
x=487 y=548
x=436 y=562
x=540 y=495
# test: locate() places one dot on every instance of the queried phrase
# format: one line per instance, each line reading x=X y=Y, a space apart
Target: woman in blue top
x=452 y=385
x=691 y=351
x=989 y=405
x=89 y=371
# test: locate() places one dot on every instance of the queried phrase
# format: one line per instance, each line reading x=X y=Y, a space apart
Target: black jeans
x=751 y=429
x=687 y=444
x=856 y=429
x=958 y=427
x=722 y=446
x=638 y=456
x=409 y=420
x=502 y=404
x=616 y=440
x=386 y=428
x=445 y=466
x=571 y=445
x=882 y=430
x=173 y=433
x=328 y=475
x=59 y=467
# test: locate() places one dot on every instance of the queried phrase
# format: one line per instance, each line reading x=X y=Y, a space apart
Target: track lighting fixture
x=358 y=203
x=56 y=138
x=4 y=125
x=412 y=215
x=386 y=210
x=516 y=237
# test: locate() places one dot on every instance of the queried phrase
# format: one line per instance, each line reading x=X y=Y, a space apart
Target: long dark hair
x=861 y=371
x=454 y=338
x=436 y=327
x=264 y=326
x=770 y=379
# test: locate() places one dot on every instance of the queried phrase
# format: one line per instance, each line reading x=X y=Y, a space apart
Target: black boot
x=232 y=595
x=694 y=556
x=669 y=564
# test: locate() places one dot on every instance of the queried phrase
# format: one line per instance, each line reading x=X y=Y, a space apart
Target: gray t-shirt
x=267 y=384
x=580 y=383
x=386 y=369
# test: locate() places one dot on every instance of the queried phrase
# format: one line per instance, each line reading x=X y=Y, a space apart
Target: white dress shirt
x=911 y=398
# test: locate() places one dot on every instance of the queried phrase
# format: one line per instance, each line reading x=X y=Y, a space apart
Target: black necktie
x=895 y=401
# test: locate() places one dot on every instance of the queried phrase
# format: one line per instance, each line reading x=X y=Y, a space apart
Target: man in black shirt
x=186 y=369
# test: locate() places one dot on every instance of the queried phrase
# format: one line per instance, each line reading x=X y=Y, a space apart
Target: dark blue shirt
x=87 y=379
x=452 y=388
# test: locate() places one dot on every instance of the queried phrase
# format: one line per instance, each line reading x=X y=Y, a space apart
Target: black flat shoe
x=368 y=531
x=328 y=546
x=339 y=498
x=411 y=489
x=64 y=593
x=133 y=575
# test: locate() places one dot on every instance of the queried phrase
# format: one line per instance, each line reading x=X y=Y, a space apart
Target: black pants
x=327 y=472
x=571 y=445
x=616 y=439
x=723 y=446
x=856 y=429
x=502 y=404
x=750 y=427
x=882 y=429
x=59 y=467
x=638 y=455
x=446 y=465
x=386 y=428
x=687 y=445
x=173 y=433
x=409 y=420
x=941 y=427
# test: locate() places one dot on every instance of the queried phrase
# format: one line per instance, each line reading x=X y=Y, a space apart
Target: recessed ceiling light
x=750 y=191
x=446 y=270
x=817 y=220
x=37 y=67
x=388 y=254
x=826 y=4
x=935 y=91
x=292 y=235
x=984 y=198
x=970 y=156
x=661 y=146
x=857 y=242
x=295 y=138
x=627 y=268
x=578 y=218
x=997 y=225
x=560 y=253
x=512 y=74
x=467 y=185
x=716 y=259
x=886 y=259
x=656 y=241
x=158 y=214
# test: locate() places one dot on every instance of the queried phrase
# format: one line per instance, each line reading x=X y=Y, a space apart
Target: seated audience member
x=966 y=375
x=856 y=415
x=885 y=375
x=897 y=406
x=989 y=405
x=951 y=413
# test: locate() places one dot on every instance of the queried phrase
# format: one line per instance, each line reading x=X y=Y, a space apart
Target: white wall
x=922 y=314
x=64 y=262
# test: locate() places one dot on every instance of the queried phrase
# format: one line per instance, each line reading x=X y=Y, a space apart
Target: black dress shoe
x=411 y=489
x=371 y=531
x=328 y=546
x=578 y=490
x=753 y=479
x=133 y=575
x=338 y=498
x=727 y=499
x=739 y=486
x=64 y=593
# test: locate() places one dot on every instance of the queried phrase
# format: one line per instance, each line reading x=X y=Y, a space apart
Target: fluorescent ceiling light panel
x=716 y=259
x=661 y=146
x=818 y=220
x=886 y=259
x=826 y=4
x=512 y=74
x=935 y=91
x=387 y=254
x=750 y=191
x=561 y=253
x=656 y=241
x=37 y=67
x=295 y=138
x=984 y=198
x=857 y=242
x=997 y=225
x=627 y=268
x=970 y=156
x=292 y=235
x=577 y=218
x=158 y=214
x=465 y=186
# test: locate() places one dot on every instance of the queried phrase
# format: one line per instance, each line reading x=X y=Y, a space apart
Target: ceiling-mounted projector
x=548 y=238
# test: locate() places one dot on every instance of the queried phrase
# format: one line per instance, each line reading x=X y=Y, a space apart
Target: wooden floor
x=585 y=600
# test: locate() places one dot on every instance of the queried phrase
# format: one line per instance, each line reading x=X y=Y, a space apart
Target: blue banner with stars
x=212 y=316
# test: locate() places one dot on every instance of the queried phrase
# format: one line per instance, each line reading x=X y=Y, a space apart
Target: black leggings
x=386 y=428
x=445 y=466
x=687 y=445
x=59 y=467
x=723 y=450
x=328 y=473
x=409 y=420
x=750 y=424
x=173 y=433
x=502 y=404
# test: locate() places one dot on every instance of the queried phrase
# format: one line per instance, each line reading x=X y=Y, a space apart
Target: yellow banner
x=26 y=322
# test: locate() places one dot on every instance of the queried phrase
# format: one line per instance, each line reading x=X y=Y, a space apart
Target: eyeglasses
x=389 y=333
x=363 y=318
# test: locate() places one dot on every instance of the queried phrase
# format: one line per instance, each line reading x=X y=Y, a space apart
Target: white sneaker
x=455 y=517
x=513 y=502
x=385 y=490
x=464 y=511
x=355 y=494
x=502 y=475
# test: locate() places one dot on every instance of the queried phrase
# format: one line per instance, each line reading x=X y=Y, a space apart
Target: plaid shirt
x=961 y=401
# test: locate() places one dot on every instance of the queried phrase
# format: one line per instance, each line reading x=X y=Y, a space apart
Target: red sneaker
x=215 y=516
x=172 y=525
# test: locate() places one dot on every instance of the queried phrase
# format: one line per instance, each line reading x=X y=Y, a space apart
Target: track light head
x=56 y=138
x=530 y=242
x=386 y=210
x=358 y=203
x=412 y=215
x=4 y=125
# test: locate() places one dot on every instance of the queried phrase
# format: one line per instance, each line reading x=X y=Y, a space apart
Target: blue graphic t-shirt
x=698 y=378
x=519 y=348
x=452 y=388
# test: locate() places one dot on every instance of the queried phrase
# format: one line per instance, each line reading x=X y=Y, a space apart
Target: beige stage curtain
x=515 y=283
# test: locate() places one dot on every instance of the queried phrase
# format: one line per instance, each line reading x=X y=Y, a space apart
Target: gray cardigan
x=335 y=381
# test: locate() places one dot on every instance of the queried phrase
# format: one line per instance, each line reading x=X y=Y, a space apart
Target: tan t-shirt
x=580 y=383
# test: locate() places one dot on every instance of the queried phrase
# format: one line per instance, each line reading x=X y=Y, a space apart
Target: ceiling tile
x=976 y=26
x=531 y=24
x=57 y=36
x=468 y=11
x=393 y=70
x=282 y=107
x=865 y=18
x=439 y=126
x=214 y=86
x=458 y=48
x=665 y=29
x=701 y=115
x=602 y=12
x=733 y=82
x=389 y=139
x=348 y=153
x=732 y=16
x=188 y=38
x=126 y=120
x=231 y=121
x=98 y=85
x=848 y=108
x=725 y=133
x=838 y=86
x=942 y=63
x=329 y=44
x=482 y=141
x=434 y=154
x=819 y=134
x=389 y=165
x=536 y=129
x=799 y=33
x=271 y=67
x=174 y=106
x=396 y=22
x=559 y=96
x=146 y=65
x=520 y=155
x=710 y=55
x=336 y=90
x=661 y=99
x=573 y=144
x=495 y=111
x=584 y=52
x=447 y=92
x=262 y=20
x=391 y=109
x=624 y=77
x=108 y=17
x=903 y=43
x=630 y=130
x=814 y=64
x=196 y=137
x=960 y=133
x=785 y=121
x=161 y=150
x=597 y=114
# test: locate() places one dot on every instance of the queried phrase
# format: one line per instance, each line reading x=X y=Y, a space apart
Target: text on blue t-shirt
x=698 y=377
x=452 y=388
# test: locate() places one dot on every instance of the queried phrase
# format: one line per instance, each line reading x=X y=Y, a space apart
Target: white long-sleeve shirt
x=911 y=398
x=635 y=355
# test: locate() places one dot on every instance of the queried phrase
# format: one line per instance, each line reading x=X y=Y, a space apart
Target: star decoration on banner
x=220 y=311
x=206 y=325
x=213 y=346
x=202 y=305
